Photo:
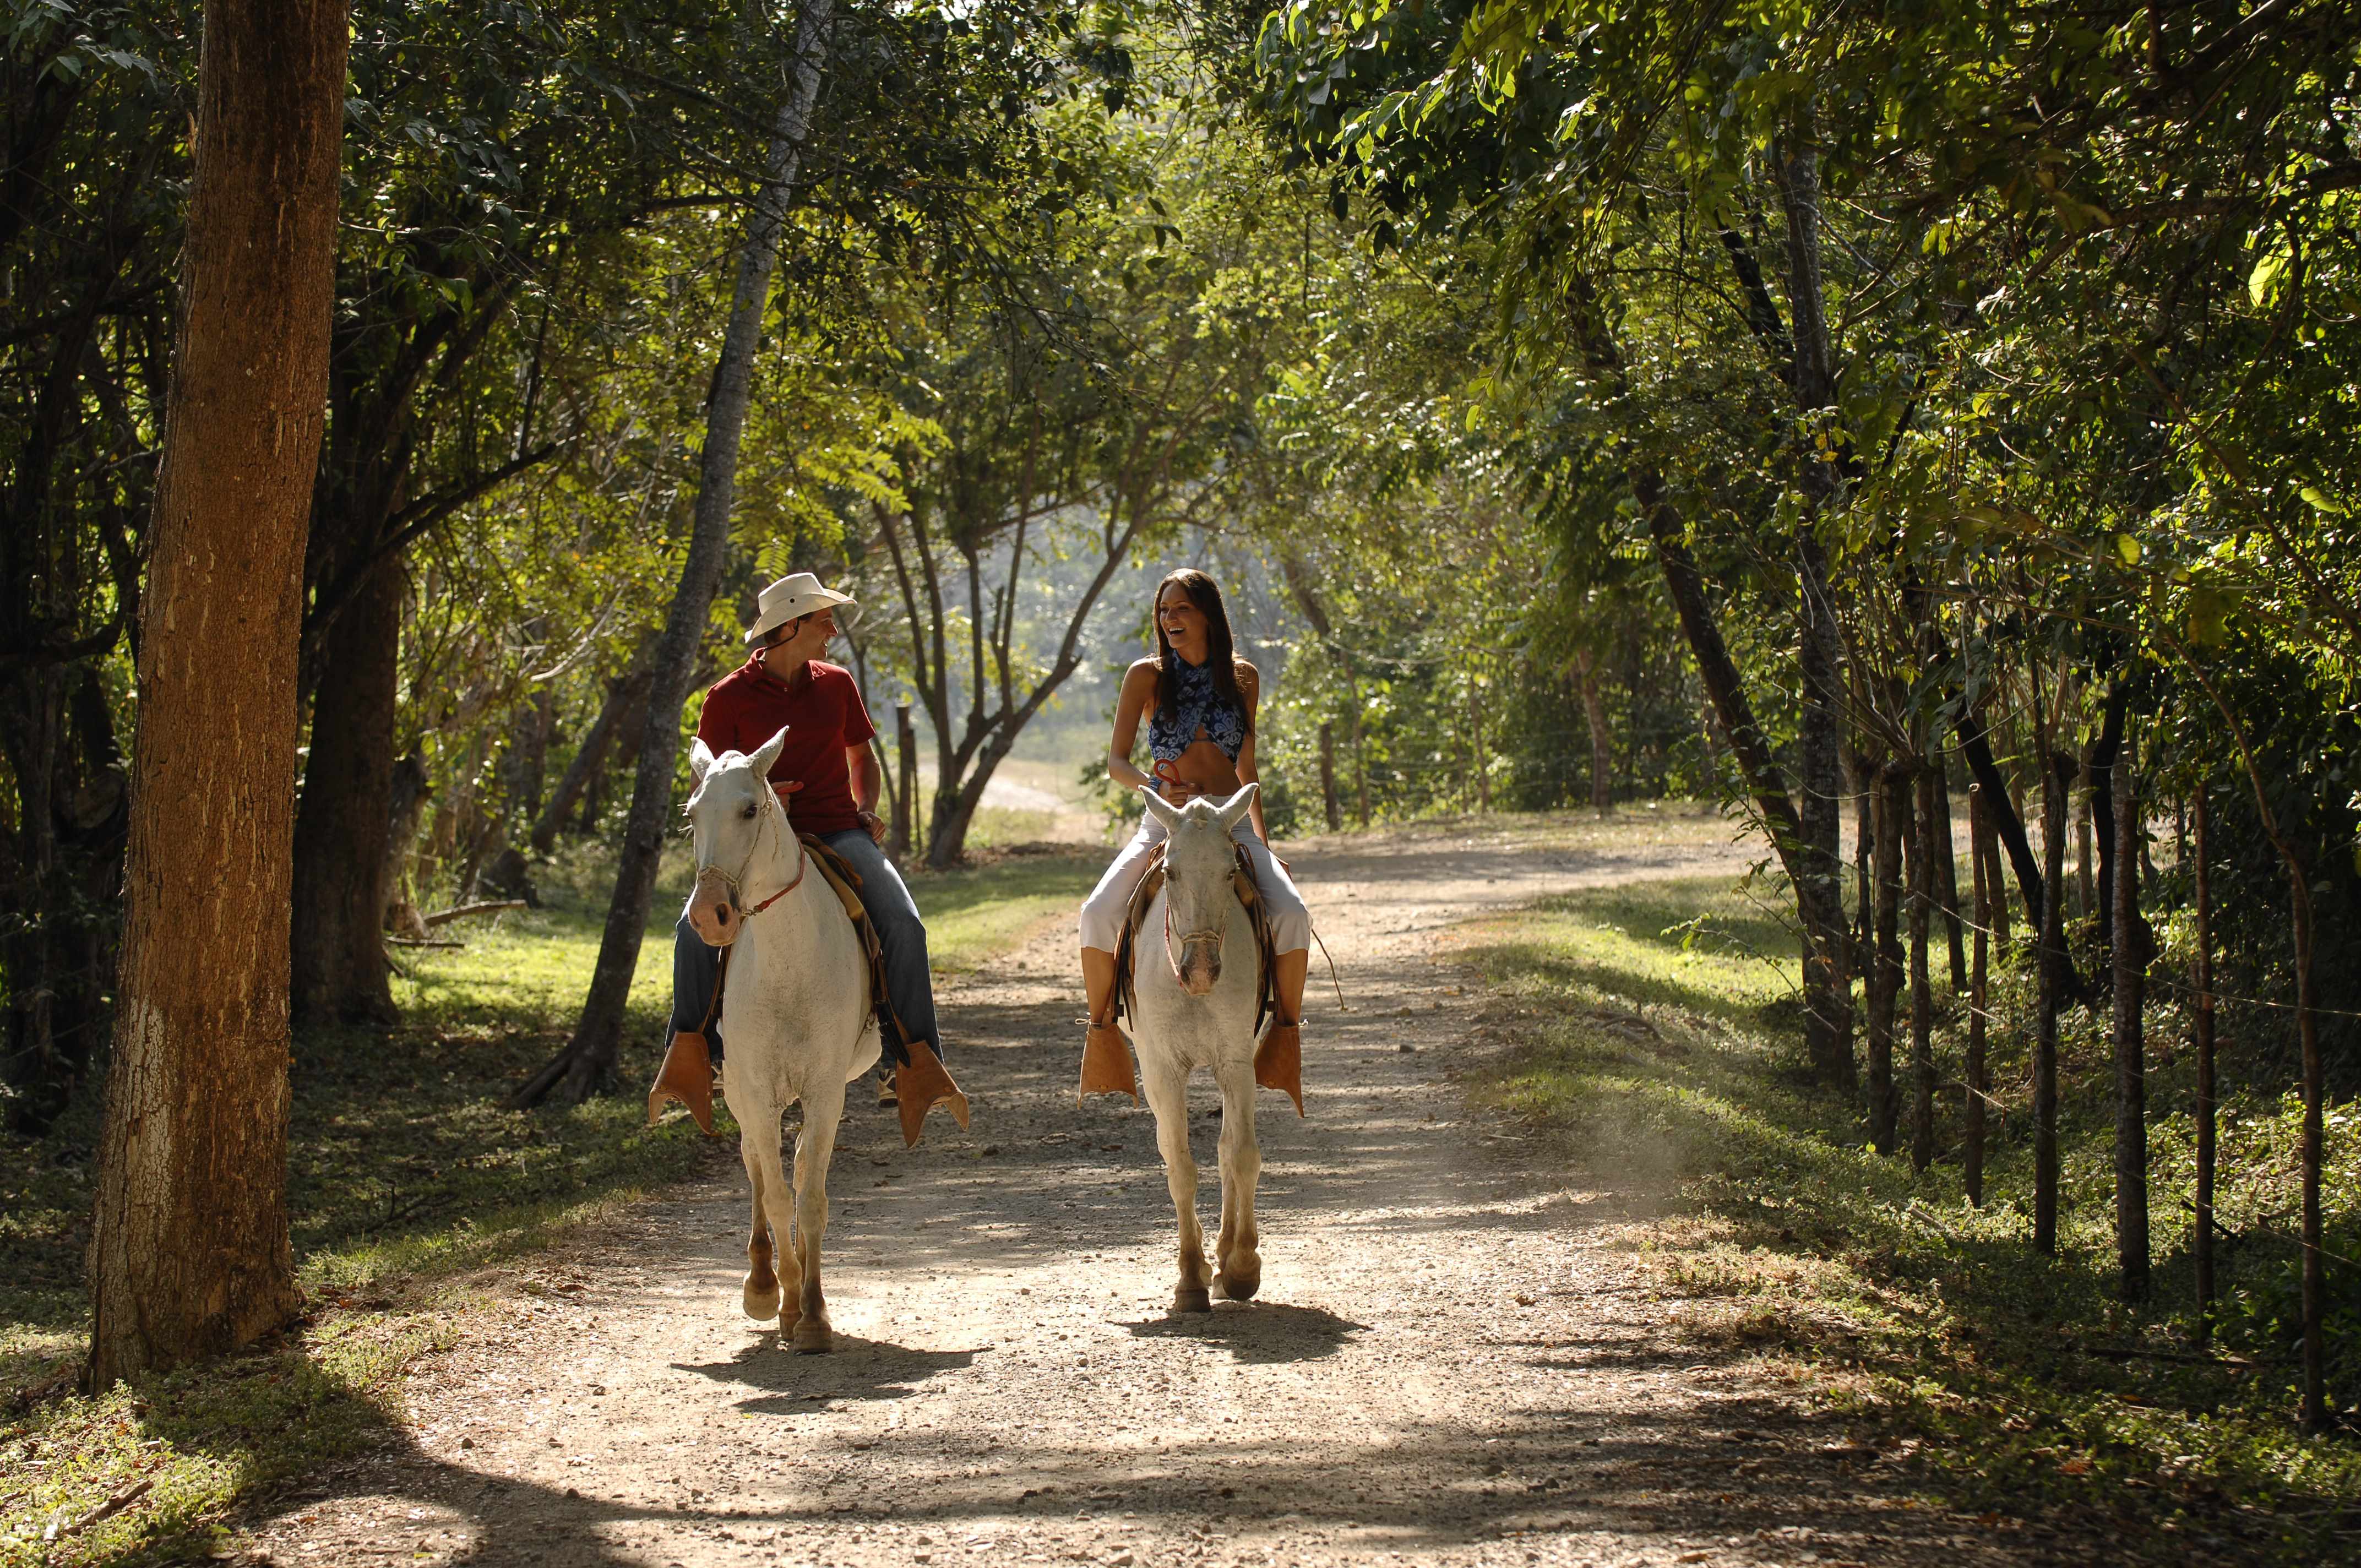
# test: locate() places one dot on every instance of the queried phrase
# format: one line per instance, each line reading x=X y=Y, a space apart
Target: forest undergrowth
x=405 y=1179
x=1660 y=1050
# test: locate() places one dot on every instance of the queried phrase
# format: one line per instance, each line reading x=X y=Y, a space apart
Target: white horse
x=797 y=1010
x=1191 y=1010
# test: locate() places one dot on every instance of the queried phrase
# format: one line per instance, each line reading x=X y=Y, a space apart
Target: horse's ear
x=766 y=755
x=1163 y=810
x=700 y=759
x=1235 y=806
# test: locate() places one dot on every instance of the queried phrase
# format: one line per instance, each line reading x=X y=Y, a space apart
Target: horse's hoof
x=761 y=1305
x=1239 y=1285
x=814 y=1337
x=1192 y=1299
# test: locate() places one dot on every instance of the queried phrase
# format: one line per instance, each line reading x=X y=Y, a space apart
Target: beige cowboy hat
x=792 y=597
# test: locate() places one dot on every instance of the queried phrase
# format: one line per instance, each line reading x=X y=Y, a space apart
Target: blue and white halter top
x=1173 y=727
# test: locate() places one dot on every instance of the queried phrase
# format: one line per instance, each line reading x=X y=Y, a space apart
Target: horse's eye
x=748 y=814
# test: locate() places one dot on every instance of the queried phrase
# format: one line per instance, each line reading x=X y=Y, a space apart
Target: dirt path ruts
x=1450 y=1361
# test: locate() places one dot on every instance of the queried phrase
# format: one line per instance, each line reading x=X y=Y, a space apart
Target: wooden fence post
x=906 y=793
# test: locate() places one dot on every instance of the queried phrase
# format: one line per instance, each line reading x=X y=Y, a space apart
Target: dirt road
x=1451 y=1360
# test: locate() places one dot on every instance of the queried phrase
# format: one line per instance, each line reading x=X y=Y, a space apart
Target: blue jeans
x=909 y=981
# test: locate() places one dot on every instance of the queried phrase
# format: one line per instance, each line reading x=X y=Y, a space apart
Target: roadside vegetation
x=406 y=1178
x=1659 y=1050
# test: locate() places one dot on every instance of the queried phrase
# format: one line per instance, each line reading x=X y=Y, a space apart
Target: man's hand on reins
x=875 y=824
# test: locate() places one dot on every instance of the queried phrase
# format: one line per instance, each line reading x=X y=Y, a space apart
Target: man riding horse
x=829 y=778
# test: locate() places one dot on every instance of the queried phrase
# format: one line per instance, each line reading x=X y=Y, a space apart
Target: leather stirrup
x=1279 y=1062
x=1106 y=1065
x=686 y=1076
x=921 y=1086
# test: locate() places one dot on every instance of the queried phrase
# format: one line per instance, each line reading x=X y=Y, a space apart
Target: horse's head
x=736 y=821
x=1199 y=858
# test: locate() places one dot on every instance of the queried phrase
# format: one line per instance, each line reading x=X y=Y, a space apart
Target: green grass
x=1658 y=1048
x=404 y=1174
x=977 y=911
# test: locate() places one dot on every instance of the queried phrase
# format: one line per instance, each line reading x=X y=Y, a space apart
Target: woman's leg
x=1106 y=1062
x=1278 y=1059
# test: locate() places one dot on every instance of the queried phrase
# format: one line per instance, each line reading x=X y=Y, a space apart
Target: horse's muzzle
x=1201 y=966
x=713 y=912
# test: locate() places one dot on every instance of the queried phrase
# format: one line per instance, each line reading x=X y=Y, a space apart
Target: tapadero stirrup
x=921 y=1084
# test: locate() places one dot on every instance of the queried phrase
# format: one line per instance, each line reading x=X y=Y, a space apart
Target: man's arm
x=861 y=761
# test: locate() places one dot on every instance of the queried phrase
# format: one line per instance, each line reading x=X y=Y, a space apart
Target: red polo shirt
x=823 y=717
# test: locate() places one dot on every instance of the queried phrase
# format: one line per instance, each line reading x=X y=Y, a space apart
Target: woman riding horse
x=1200 y=699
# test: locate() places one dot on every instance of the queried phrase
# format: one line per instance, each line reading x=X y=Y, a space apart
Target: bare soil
x=1454 y=1361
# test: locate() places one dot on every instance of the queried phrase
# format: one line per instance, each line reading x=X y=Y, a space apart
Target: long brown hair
x=1219 y=653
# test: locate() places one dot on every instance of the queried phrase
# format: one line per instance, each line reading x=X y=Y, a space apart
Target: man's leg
x=692 y=1045
x=909 y=980
x=694 y=964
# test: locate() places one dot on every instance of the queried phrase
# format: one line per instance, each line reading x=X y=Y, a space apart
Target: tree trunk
x=1328 y=775
x=1862 y=777
x=1972 y=1157
x=1818 y=874
x=1947 y=880
x=1886 y=975
x=2102 y=809
x=625 y=697
x=905 y=789
x=339 y=967
x=2007 y=822
x=2202 y=981
x=411 y=789
x=1298 y=585
x=1922 y=996
x=1810 y=863
x=2057 y=780
x=589 y=1057
x=1483 y=766
x=2131 y=1074
x=2086 y=904
x=189 y=1254
x=1603 y=735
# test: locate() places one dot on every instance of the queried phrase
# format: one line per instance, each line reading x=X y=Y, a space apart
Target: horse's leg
x=1167 y=1084
x=758 y=1146
x=1235 y=1248
x=823 y=1109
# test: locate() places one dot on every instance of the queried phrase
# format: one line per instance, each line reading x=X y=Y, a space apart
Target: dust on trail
x=1451 y=1360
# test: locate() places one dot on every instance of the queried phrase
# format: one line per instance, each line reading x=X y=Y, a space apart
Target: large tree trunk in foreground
x=341 y=827
x=578 y=1070
x=189 y=1254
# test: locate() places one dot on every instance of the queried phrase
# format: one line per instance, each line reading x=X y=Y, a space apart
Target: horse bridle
x=803 y=860
x=1210 y=934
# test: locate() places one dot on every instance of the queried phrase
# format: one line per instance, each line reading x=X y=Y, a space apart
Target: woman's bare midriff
x=1204 y=765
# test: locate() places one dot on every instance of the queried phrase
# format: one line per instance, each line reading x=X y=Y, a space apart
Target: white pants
x=1104 y=911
